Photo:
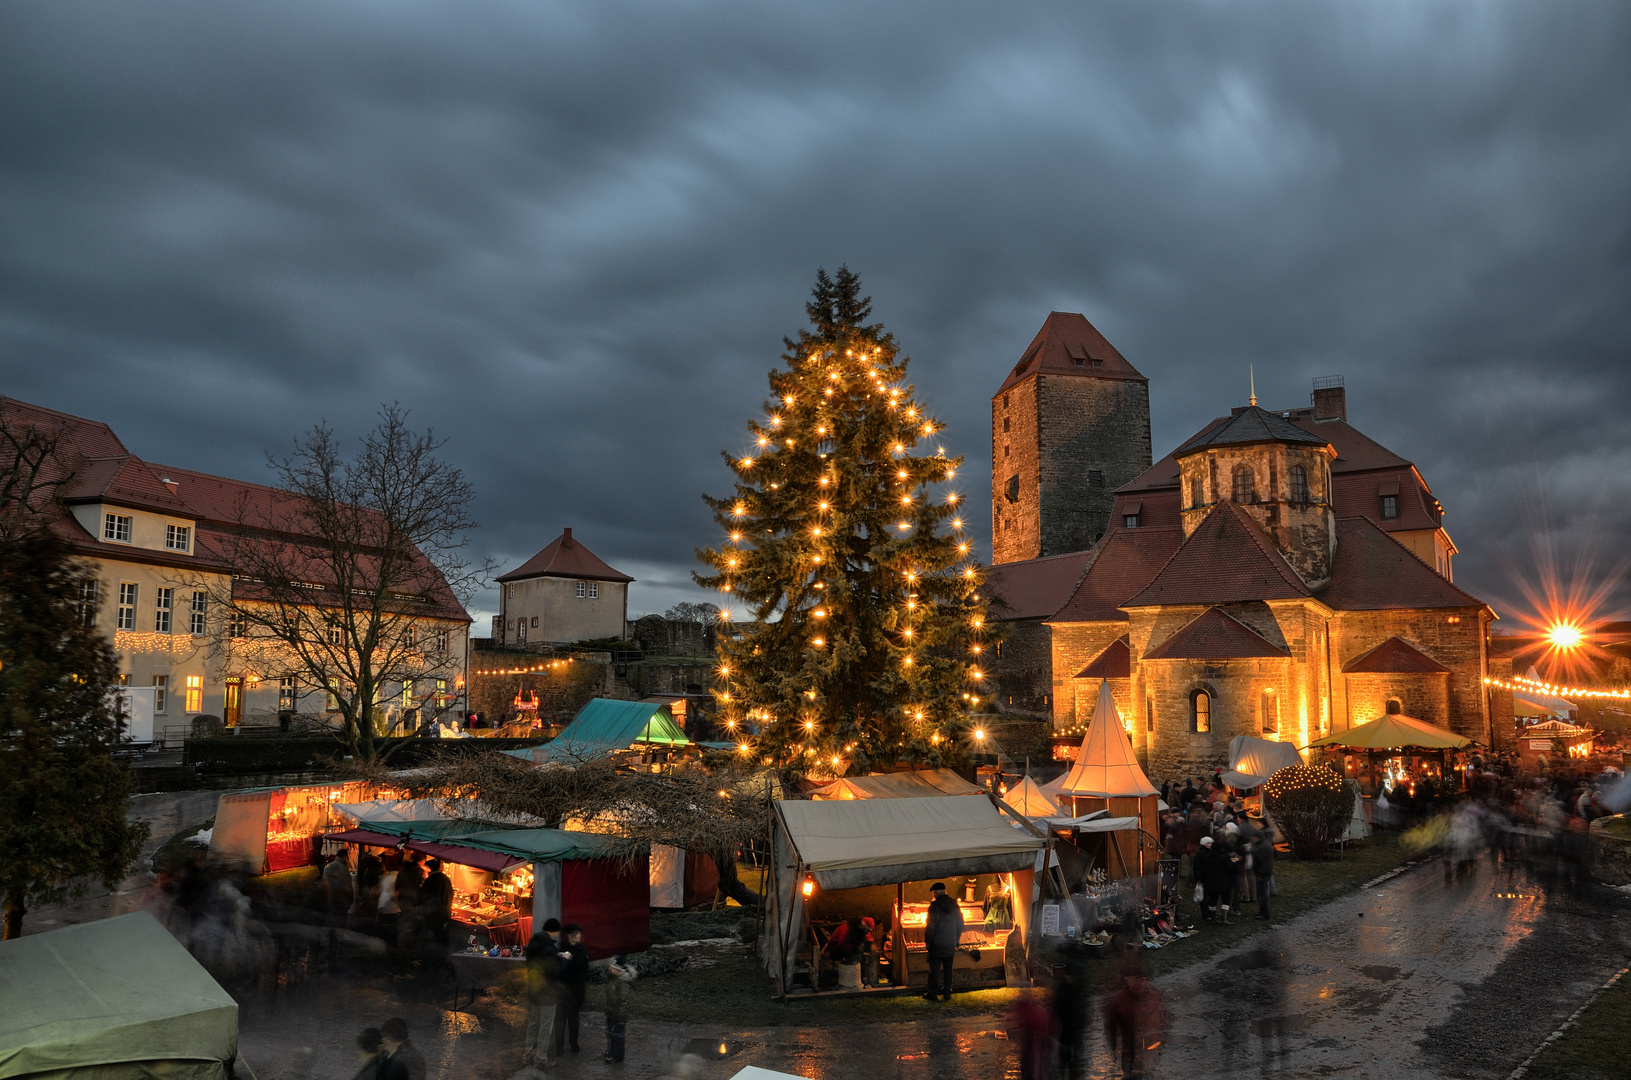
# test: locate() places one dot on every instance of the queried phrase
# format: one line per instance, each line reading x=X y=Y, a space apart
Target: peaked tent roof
x=604 y=727
x=925 y=783
x=1127 y=561
x=568 y=558
x=1394 y=732
x=1227 y=559
x=1065 y=338
x=1215 y=635
x=1395 y=656
x=1105 y=766
x=1033 y=588
x=1374 y=572
x=1115 y=662
x=1252 y=424
x=1028 y=798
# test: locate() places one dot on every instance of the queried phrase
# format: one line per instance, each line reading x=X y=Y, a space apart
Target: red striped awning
x=465 y=856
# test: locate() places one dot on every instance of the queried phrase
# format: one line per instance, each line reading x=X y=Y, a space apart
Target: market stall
x=1107 y=776
x=1553 y=740
x=642 y=730
x=845 y=859
x=921 y=784
x=1027 y=797
x=266 y=830
x=116 y=999
x=1397 y=748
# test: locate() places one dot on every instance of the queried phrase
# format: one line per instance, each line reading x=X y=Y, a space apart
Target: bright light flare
x=1565 y=636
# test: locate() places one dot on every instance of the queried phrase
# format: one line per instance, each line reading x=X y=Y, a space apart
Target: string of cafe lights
x=535 y=669
x=1519 y=684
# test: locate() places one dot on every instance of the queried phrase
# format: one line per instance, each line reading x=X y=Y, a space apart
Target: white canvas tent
x=850 y=844
x=1028 y=798
x=923 y=783
x=117 y=999
x=1253 y=760
x=1530 y=702
x=1106 y=767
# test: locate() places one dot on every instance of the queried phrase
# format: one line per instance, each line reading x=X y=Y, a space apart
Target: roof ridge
x=1476 y=602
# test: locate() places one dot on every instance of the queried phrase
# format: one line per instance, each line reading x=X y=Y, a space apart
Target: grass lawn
x=1595 y=1049
x=1619 y=826
x=735 y=990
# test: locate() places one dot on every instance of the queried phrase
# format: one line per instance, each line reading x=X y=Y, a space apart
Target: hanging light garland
x=1518 y=684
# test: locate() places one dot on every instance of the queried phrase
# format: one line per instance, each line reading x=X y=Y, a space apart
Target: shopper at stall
x=408 y=881
x=337 y=888
x=365 y=912
x=574 y=987
x=942 y=931
x=543 y=975
x=1212 y=875
x=403 y=1061
x=436 y=903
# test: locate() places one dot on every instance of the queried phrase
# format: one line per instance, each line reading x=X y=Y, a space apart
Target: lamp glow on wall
x=809 y=887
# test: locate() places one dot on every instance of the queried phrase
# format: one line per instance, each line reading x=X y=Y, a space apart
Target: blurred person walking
x=403 y=1061
x=1030 y=1029
x=543 y=974
x=371 y=1049
x=1135 y=1023
x=436 y=904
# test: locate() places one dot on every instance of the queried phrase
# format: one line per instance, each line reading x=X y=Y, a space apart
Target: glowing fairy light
x=1565 y=636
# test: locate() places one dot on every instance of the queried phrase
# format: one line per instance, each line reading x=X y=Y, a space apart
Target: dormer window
x=1390 y=507
x=116 y=527
x=1129 y=521
x=178 y=537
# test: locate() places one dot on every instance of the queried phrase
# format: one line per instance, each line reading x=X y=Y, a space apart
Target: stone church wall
x=1458 y=645
x=1022 y=669
x=1425 y=697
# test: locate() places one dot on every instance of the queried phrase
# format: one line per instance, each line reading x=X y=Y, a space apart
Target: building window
x=407 y=693
x=1390 y=506
x=335 y=635
x=512 y=592
x=124 y=680
x=127 y=605
x=1200 y=712
x=1005 y=423
x=333 y=693
x=286 y=693
x=116 y=527
x=1245 y=484
x=594 y=590
x=87 y=602
x=1005 y=401
x=161 y=683
x=195 y=694
x=583 y=589
x=1394 y=706
x=441 y=641
x=163 y=601
x=1149 y=712
x=195 y=614
x=442 y=701
x=1095 y=478
x=178 y=537
x=1299 y=484
x=521 y=631
x=1004 y=449
x=1270 y=708
x=1129 y=521
x=1197 y=493
x=238 y=625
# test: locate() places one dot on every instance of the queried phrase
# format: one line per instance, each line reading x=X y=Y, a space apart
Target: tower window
x=1149 y=712
x=1299 y=484
x=1197 y=493
x=1013 y=489
x=1004 y=449
x=1095 y=478
x=1005 y=401
x=1245 y=484
x=1005 y=423
x=1390 y=506
x=1200 y=712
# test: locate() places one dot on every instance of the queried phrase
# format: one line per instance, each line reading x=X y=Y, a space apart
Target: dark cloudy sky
x=572 y=236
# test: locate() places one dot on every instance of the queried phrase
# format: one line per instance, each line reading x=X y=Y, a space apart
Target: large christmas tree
x=848 y=550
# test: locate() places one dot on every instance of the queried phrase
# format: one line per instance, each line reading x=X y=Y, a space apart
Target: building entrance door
x=233 y=710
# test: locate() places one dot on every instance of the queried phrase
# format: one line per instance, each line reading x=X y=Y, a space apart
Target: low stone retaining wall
x=1611 y=853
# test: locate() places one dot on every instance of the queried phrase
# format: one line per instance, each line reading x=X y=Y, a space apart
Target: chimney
x=1330 y=398
x=566 y=538
x=170 y=484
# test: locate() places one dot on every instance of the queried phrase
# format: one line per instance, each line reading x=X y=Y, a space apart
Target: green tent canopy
x=603 y=727
x=119 y=999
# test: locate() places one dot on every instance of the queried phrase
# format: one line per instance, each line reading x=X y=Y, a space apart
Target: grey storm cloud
x=572 y=236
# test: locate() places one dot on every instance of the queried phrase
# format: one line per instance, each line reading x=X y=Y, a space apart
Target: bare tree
x=33 y=468
x=349 y=578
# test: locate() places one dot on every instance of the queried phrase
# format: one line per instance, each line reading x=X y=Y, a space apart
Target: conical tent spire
x=1029 y=799
x=1105 y=766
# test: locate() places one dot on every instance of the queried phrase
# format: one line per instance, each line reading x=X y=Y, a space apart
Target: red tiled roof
x=1374 y=572
x=565 y=557
x=1227 y=559
x=1215 y=635
x=1395 y=656
x=1115 y=662
x=1033 y=588
x=1067 y=337
x=1125 y=562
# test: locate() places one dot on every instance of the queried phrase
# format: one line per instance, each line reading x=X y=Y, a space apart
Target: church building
x=1279 y=574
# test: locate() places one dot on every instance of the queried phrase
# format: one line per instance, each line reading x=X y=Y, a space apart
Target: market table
x=479 y=971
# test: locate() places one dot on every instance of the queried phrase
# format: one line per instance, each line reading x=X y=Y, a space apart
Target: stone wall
x=1304 y=532
x=658 y=635
x=1015 y=504
x=1236 y=689
x=1458 y=645
x=561 y=690
x=1023 y=669
x=1423 y=696
x=1074 y=645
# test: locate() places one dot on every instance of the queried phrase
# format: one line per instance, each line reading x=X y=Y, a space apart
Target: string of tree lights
x=1520 y=684
x=552 y=665
x=849 y=551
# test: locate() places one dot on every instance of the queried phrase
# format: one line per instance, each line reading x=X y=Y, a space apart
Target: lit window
x=594 y=590
x=1200 y=712
x=87 y=602
x=1299 y=484
x=124 y=680
x=195 y=694
x=441 y=694
x=333 y=693
x=161 y=683
x=583 y=589
x=286 y=693
x=195 y=615
x=1390 y=506
x=116 y=527
x=1270 y=709
x=407 y=693
x=1129 y=521
x=1149 y=712
x=127 y=605
x=1245 y=484
x=178 y=537
x=163 y=600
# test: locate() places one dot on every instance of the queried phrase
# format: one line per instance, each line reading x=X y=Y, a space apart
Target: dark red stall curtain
x=611 y=900
x=701 y=878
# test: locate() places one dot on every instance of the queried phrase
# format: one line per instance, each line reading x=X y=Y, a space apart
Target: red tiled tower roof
x=1127 y=560
x=1374 y=572
x=1226 y=560
x=1115 y=662
x=1068 y=344
x=1033 y=588
x=1395 y=656
x=565 y=557
x=1215 y=635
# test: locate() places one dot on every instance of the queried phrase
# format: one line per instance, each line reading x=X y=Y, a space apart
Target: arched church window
x=1200 y=712
x=1299 y=484
x=1270 y=709
x=1197 y=492
x=1245 y=484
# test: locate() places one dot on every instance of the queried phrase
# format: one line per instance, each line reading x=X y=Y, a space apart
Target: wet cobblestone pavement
x=1416 y=977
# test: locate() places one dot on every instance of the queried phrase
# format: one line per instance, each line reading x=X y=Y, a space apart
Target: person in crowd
x=337 y=888
x=1211 y=874
x=573 y=988
x=403 y=1061
x=436 y=903
x=1197 y=825
x=942 y=933
x=543 y=975
x=1135 y=1022
x=1030 y=1029
x=365 y=912
x=1263 y=867
x=371 y=1050
x=409 y=879
x=620 y=978
x=388 y=910
x=1189 y=794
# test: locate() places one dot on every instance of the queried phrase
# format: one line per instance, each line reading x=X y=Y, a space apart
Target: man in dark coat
x=403 y=1061
x=1212 y=874
x=543 y=982
x=574 y=987
x=942 y=933
x=436 y=903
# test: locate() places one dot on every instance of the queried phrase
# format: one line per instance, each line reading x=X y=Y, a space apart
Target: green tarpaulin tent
x=604 y=727
x=118 y=999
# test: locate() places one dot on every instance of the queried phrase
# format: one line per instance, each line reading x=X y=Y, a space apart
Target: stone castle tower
x=1069 y=425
